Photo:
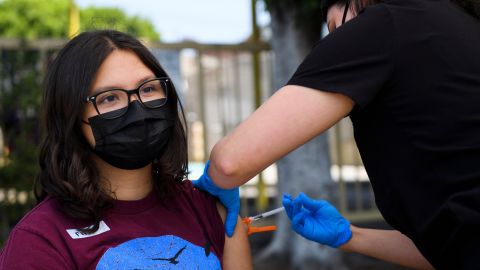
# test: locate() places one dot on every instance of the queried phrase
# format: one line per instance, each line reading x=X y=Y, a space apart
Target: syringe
x=267 y=214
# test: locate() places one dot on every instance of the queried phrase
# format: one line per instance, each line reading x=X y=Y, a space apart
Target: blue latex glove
x=230 y=198
x=316 y=220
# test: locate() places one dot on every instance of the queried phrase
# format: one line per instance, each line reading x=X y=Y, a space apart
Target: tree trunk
x=307 y=169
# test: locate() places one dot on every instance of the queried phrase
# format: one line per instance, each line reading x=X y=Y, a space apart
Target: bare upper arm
x=287 y=120
x=236 y=251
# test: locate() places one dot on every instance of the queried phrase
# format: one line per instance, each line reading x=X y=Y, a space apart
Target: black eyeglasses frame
x=164 y=80
x=347 y=6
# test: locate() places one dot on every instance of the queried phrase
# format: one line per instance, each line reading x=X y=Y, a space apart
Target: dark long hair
x=67 y=170
x=472 y=7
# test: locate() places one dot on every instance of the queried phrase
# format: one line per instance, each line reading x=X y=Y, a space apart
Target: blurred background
x=225 y=58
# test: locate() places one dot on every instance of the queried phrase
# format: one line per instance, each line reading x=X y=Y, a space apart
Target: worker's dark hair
x=355 y=5
x=472 y=7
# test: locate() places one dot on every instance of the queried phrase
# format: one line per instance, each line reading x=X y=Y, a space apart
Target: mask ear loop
x=155 y=167
x=347 y=5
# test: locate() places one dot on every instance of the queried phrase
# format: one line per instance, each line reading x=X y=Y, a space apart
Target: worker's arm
x=287 y=120
x=387 y=245
x=319 y=221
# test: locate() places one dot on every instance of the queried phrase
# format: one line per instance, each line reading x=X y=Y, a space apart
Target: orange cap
x=251 y=229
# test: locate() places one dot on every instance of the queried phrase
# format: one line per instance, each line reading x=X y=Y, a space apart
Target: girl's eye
x=152 y=89
x=148 y=89
x=107 y=98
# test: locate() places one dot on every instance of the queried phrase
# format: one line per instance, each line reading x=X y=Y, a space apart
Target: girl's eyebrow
x=142 y=80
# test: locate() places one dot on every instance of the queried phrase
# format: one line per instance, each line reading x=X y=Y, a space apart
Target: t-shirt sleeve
x=214 y=219
x=28 y=250
x=206 y=208
x=354 y=60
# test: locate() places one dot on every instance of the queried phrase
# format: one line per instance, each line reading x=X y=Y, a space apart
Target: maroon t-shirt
x=185 y=232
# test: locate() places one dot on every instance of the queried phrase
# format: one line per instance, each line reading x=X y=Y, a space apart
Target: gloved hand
x=316 y=220
x=230 y=198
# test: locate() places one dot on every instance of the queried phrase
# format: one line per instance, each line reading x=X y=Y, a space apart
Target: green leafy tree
x=31 y=19
x=19 y=102
x=113 y=18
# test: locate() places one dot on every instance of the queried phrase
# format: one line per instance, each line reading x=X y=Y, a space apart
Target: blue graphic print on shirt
x=163 y=252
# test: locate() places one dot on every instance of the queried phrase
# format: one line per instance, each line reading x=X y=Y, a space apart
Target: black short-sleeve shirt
x=413 y=69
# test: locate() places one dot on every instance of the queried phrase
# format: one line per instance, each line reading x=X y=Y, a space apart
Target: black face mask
x=133 y=140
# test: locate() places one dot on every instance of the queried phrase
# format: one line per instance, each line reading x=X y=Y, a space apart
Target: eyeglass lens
x=347 y=5
x=113 y=103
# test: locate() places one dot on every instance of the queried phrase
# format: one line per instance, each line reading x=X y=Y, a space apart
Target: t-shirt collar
x=136 y=206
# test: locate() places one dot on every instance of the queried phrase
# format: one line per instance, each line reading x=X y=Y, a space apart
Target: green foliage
x=20 y=172
x=31 y=19
x=112 y=18
x=19 y=103
x=20 y=99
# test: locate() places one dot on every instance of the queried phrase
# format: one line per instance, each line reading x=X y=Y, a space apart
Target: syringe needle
x=267 y=214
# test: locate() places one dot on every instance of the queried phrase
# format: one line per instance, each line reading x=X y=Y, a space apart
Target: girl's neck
x=126 y=185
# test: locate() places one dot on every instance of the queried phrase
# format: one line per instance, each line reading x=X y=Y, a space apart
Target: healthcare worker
x=407 y=73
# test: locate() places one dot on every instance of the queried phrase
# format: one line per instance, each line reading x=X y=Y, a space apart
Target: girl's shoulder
x=198 y=199
x=45 y=210
x=205 y=209
x=36 y=239
x=188 y=189
x=43 y=217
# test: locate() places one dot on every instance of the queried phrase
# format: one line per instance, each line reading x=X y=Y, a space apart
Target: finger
x=288 y=196
x=299 y=219
x=298 y=223
x=310 y=204
x=309 y=225
x=297 y=207
x=287 y=203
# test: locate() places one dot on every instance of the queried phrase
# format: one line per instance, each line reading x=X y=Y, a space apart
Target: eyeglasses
x=344 y=18
x=345 y=12
x=114 y=103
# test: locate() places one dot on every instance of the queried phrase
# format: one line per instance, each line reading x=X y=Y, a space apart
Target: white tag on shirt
x=77 y=234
